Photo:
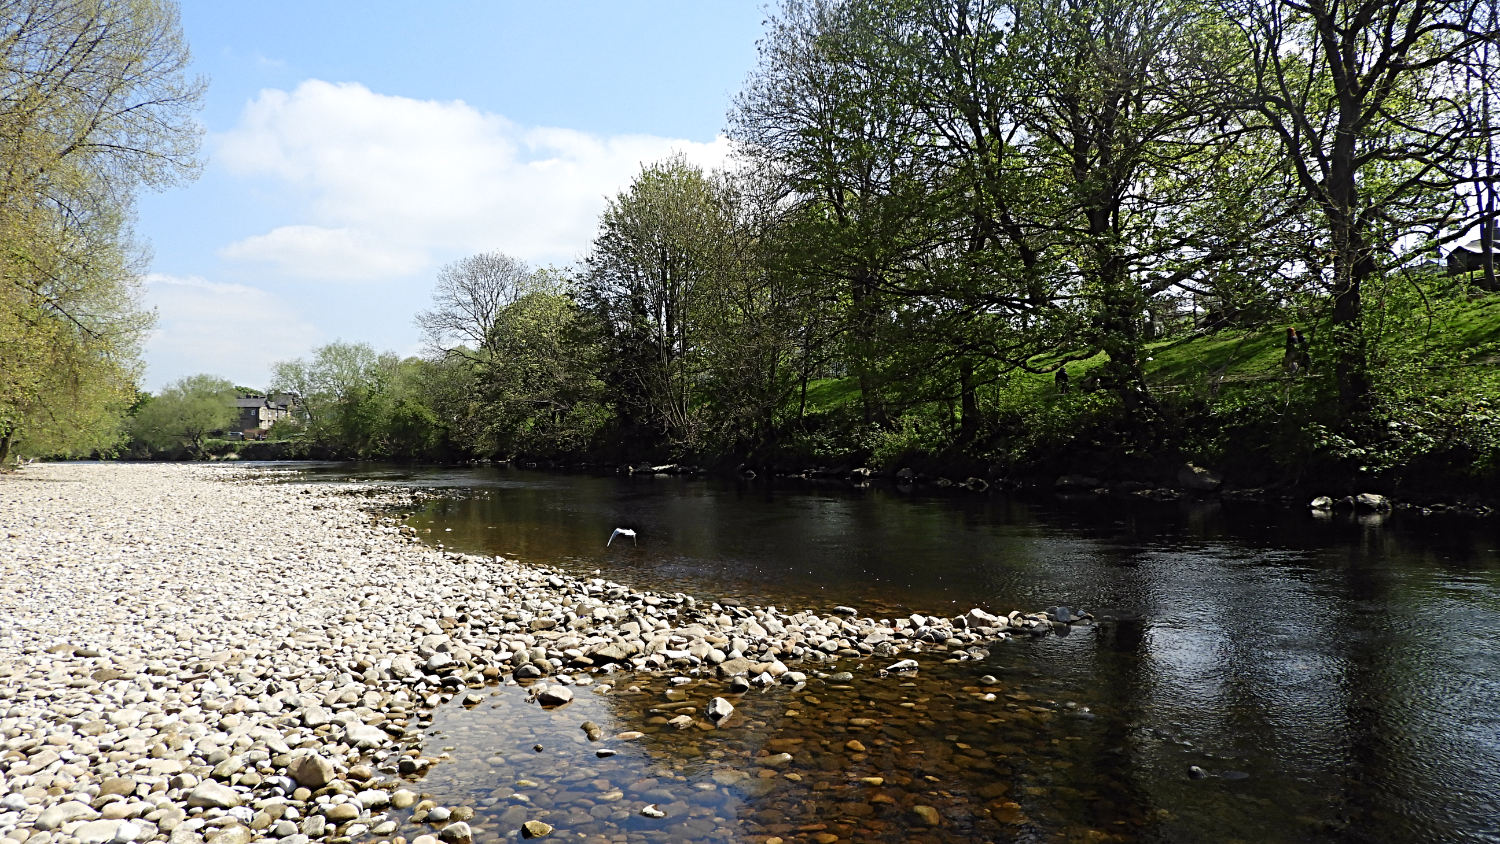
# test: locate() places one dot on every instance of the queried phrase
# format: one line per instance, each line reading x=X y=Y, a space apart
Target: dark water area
x=1333 y=679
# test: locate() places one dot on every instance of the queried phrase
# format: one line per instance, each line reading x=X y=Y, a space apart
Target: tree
x=541 y=392
x=338 y=392
x=1365 y=101
x=818 y=117
x=95 y=105
x=185 y=413
x=470 y=295
x=663 y=246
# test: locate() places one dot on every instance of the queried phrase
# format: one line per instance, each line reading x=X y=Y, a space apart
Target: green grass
x=826 y=394
x=1467 y=329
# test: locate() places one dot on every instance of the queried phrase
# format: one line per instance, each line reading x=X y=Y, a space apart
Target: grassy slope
x=1471 y=330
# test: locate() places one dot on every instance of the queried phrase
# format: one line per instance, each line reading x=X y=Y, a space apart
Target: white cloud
x=317 y=252
x=223 y=329
x=390 y=183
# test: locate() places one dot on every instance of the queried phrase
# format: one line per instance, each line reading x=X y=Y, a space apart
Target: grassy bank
x=1218 y=398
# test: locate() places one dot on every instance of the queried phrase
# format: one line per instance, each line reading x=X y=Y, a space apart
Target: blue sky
x=353 y=148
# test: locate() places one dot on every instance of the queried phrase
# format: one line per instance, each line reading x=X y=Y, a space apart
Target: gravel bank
x=200 y=653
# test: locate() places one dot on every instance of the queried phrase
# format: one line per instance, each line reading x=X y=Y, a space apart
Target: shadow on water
x=1332 y=680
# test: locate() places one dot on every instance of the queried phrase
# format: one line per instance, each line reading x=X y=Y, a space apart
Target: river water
x=1256 y=673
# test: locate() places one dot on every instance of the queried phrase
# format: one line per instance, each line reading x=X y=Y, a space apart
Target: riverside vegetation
x=1007 y=239
x=223 y=655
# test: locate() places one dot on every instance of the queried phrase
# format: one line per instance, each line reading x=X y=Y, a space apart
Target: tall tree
x=1365 y=99
x=818 y=114
x=1119 y=115
x=663 y=246
x=95 y=104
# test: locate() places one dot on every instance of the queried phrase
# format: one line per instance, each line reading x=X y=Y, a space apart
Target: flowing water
x=1256 y=673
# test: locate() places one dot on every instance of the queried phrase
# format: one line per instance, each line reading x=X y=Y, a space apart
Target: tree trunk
x=1352 y=265
x=864 y=341
x=968 y=420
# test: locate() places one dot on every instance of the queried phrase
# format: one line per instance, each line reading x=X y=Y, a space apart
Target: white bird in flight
x=620 y=532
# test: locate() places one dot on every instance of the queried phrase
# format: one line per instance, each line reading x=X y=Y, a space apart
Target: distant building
x=1467 y=257
x=258 y=413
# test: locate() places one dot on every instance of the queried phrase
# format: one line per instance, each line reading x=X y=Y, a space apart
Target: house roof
x=281 y=402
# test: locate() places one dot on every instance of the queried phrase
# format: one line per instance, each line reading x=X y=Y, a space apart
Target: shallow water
x=1335 y=679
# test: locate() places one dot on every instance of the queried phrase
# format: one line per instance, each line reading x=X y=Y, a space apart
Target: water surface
x=1332 y=679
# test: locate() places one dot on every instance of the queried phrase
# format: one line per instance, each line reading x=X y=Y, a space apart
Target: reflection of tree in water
x=1247 y=638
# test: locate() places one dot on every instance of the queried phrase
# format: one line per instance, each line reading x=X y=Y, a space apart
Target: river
x=1256 y=673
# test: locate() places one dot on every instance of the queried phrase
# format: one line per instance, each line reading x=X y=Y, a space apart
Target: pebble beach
x=209 y=654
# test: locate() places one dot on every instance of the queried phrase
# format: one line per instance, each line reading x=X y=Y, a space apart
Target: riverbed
x=1255 y=672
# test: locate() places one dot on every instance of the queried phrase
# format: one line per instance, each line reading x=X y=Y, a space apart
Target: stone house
x=258 y=412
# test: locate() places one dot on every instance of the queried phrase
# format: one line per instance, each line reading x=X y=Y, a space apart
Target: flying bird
x=620 y=532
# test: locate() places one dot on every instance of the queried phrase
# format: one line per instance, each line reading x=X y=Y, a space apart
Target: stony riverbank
x=210 y=653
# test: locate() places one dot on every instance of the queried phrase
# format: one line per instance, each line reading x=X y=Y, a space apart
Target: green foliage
x=97 y=105
x=185 y=413
x=357 y=403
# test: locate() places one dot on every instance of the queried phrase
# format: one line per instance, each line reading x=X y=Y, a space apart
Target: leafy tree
x=663 y=246
x=95 y=105
x=1366 y=101
x=818 y=118
x=355 y=402
x=338 y=391
x=185 y=413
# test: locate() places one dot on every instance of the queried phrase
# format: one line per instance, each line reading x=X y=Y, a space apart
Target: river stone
x=315 y=716
x=1198 y=479
x=734 y=667
x=928 y=815
x=979 y=618
x=97 y=832
x=593 y=731
x=365 y=737
x=403 y=799
x=342 y=812
x=213 y=795
x=235 y=834
x=456 y=833
x=438 y=814
x=312 y=771
x=55 y=816
x=555 y=696
x=315 y=826
x=117 y=785
x=612 y=652
x=535 y=829
x=1369 y=502
x=718 y=709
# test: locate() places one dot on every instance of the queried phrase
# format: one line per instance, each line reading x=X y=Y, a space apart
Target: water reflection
x=1334 y=680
